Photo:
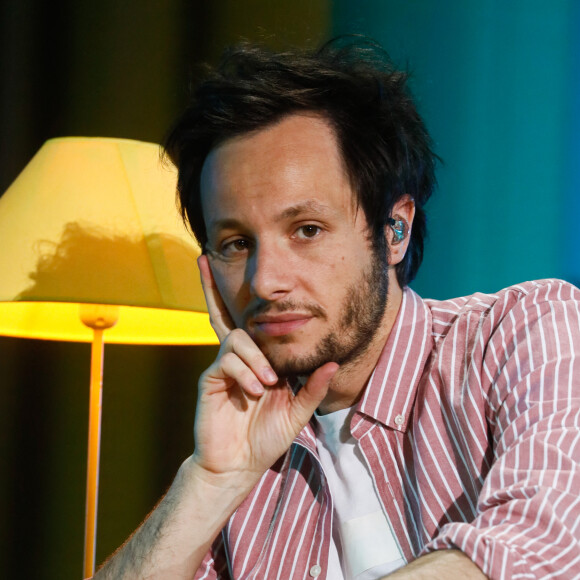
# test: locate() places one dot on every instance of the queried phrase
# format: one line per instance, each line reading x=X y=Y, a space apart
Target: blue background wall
x=499 y=86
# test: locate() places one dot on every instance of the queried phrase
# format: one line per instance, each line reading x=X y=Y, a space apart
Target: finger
x=228 y=370
x=312 y=393
x=219 y=317
x=239 y=342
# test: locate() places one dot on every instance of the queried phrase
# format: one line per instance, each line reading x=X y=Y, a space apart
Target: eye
x=234 y=248
x=308 y=231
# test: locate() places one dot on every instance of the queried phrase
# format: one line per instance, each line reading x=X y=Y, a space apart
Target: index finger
x=219 y=317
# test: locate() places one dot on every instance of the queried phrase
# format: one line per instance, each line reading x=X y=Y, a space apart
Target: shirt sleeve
x=528 y=522
x=215 y=564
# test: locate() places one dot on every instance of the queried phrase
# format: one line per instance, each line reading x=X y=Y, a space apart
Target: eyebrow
x=308 y=206
x=224 y=224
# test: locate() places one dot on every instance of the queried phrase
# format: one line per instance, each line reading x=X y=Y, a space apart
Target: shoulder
x=513 y=301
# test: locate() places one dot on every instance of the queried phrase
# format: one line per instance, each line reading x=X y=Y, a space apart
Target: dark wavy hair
x=351 y=83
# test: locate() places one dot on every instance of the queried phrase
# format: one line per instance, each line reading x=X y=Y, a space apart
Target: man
x=349 y=429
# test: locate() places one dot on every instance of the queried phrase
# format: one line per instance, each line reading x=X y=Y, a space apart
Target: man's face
x=289 y=252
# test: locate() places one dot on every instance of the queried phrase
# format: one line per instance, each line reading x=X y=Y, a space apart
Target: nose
x=269 y=272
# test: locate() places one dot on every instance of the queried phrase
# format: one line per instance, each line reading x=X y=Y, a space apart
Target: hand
x=246 y=419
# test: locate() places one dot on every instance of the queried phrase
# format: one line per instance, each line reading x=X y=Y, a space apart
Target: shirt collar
x=391 y=390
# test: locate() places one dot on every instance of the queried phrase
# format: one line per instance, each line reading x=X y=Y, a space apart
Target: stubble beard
x=363 y=310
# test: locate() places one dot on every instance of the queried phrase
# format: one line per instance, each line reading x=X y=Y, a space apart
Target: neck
x=349 y=382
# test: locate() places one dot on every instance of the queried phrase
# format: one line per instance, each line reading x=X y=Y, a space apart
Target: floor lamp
x=92 y=249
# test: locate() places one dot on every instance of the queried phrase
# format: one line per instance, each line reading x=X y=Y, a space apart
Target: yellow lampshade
x=94 y=221
x=91 y=242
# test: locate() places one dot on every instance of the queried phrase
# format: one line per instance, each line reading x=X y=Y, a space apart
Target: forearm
x=173 y=540
x=441 y=564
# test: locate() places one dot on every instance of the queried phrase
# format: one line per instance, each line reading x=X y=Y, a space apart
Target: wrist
x=227 y=488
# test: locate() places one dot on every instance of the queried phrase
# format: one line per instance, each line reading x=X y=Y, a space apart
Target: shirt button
x=399 y=419
x=315 y=571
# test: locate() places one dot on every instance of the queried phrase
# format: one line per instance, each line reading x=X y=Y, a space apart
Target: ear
x=398 y=235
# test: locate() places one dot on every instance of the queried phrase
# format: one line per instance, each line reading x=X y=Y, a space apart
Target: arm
x=441 y=564
x=244 y=422
x=527 y=521
x=175 y=537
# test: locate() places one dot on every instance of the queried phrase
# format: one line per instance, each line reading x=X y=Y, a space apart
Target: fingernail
x=270 y=375
x=257 y=388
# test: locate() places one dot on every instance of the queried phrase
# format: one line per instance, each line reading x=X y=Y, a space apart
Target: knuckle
x=238 y=334
x=228 y=358
x=234 y=339
x=227 y=342
x=204 y=378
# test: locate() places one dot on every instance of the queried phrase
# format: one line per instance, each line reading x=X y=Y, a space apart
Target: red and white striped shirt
x=470 y=427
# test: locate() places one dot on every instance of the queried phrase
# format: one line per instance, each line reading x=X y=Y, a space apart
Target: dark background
x=119 y=68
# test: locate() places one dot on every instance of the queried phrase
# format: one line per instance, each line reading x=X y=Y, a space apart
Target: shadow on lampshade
x=94 y=221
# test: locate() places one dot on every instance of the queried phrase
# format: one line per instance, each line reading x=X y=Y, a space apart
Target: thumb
x=312 y=393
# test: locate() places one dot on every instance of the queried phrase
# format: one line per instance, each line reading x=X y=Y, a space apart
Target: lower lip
x=281 y=328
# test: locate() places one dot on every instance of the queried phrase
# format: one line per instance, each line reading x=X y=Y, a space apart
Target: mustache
x=286 y=306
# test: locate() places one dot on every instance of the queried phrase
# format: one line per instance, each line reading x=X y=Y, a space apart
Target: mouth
x=281 y=324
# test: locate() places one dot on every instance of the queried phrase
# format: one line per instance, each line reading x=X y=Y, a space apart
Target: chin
x=290 y=365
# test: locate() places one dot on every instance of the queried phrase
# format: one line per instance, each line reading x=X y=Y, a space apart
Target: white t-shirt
x=363 y=545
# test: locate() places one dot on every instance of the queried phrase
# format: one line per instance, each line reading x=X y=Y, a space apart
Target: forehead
x=288 y=163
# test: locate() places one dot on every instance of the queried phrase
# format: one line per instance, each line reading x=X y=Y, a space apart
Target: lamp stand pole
x=98 y=318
